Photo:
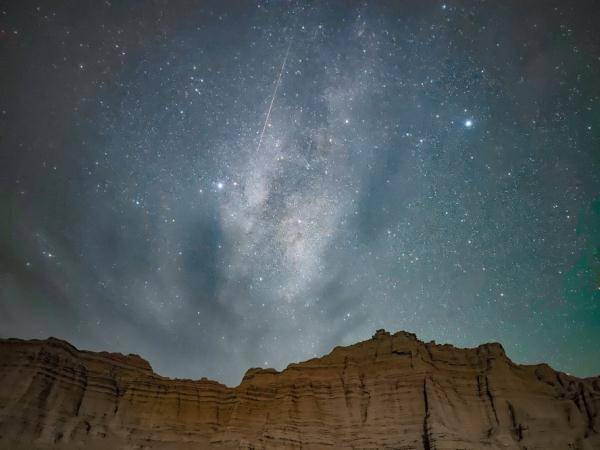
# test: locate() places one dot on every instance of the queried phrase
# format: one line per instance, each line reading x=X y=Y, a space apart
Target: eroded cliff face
x=392 y=391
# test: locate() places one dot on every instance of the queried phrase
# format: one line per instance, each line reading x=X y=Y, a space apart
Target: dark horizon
x=290 y=363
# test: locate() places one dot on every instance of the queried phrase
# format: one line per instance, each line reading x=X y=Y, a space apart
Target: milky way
x=425 y=166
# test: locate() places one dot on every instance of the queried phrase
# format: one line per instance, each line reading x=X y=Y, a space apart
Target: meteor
x=277 y=83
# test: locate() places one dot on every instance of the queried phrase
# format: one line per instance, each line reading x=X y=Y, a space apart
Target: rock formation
x=390 y=392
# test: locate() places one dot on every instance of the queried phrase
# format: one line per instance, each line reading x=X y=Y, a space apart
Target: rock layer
x=390 y=392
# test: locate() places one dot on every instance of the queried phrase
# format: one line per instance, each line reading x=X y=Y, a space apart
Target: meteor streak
x=262 y=133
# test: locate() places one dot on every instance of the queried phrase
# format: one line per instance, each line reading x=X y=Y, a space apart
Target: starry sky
x=230 y=184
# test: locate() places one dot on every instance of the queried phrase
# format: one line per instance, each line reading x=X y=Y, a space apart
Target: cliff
x=390 y=392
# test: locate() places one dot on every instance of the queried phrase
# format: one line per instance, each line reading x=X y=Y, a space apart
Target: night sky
x=224 y=185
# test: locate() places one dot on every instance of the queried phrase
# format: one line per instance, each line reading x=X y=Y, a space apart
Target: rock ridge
x=392 y=391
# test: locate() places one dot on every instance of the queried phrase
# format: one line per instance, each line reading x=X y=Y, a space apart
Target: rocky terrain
x=390 y=392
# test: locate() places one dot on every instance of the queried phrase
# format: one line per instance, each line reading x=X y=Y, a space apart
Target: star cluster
x=218 y=185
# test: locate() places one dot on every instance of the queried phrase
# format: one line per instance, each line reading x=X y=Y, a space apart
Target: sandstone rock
x=390 y=392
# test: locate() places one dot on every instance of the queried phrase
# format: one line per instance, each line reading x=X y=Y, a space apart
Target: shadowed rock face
x=390 y=392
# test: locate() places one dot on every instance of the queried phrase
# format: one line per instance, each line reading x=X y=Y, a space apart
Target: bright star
x=220 y=185
x=468 y=123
